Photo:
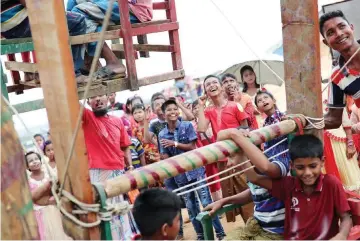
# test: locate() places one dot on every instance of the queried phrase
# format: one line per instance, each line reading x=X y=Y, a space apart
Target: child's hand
x=213 y=207
x=229 y=133
x=202 y=100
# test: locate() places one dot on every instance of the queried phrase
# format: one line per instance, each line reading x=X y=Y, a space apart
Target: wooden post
x=174 y=37
x=126 y=33
x=56 y=68
x=18 y=220
x=301 y=38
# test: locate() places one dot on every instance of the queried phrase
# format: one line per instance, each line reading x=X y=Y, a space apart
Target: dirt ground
x=189 y=232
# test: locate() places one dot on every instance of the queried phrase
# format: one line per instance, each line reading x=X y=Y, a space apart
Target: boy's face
x=157 y=106
x=212 y=87
x=230 y=86
x=171 y=112
x=171 y=232
x=339 y=34
x=264 y=103
x=308 y=169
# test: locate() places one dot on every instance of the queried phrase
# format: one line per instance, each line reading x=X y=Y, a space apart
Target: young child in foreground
x=314 y=202
x=157 y=214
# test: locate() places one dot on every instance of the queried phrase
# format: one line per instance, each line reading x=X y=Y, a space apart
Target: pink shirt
x=104 y=138
x=142 y=9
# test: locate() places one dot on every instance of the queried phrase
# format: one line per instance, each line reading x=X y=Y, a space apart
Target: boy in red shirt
x=314 y=202
x=222 y=115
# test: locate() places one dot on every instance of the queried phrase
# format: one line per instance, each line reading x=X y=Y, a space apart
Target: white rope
x=245 y=42
x=99 y=46
x=226 y=170
x=313 y=122
x=210 y=183
x=224 y=178
x=342 y=68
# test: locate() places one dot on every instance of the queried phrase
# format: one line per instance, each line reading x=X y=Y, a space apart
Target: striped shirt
x=346 y=82
x=136 y=150
x=270 y=211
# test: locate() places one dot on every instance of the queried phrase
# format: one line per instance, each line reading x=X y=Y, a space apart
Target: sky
x=208 y=44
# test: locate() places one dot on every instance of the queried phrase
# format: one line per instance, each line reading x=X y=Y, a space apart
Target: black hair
x=48 y=142
x=153 y=208
x=195 y=103
x=306 y=146
x=137 y=107
x=157 y=96
x=211 y=76
x=228 y=75
x=36 y=135
x=168 y=102
x=128 y=102
x=242 y=70
x=260 y=92
x=29 y=153
x=330 y=15
x=136 y=98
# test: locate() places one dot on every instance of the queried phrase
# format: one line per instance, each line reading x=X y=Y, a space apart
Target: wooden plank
x=55 y=66
x=21 y=66
x=15 y=74
x=145 y=47
x=18 y=219
x=14 y=88
x=160 y=5
x=155 y=28
x=162 y=77
x=3 y=77
x=16 y=48
x=108 y=87
x=302 y=57
x=137 y=25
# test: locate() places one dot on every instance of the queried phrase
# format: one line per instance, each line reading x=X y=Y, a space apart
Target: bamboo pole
x=301 y=43
x=51 y=41
x=18 y=220
x=173 y=166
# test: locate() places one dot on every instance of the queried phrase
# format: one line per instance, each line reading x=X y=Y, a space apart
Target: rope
x=224 y=178
x=245 y=42
x=342 y=68
x=99 y=46
x=317 y=123
x=226 y=170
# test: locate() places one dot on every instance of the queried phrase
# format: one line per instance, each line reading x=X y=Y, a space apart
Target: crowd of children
x=274 y=204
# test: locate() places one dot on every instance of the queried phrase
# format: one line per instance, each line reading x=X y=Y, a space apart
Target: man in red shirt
x=107 y=145
x=314 y=202
x=224 y=114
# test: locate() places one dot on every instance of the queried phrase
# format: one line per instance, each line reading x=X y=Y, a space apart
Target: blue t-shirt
x=184 y=133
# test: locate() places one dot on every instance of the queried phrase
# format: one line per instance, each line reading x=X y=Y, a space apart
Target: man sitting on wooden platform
x=94 y=12
x=15 y=24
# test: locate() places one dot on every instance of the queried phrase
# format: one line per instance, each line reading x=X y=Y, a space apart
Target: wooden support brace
x=145 y=47
x=15 y=75
x=21 y=66
x=55 y=65
x=142 y=39
x=18 y=219
x=302 y=57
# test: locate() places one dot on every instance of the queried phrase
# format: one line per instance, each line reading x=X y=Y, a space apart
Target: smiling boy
x=314 y=202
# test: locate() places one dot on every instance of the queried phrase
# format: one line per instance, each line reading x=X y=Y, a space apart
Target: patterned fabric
x=347 y=82
x=184 y=133
x=12 y=14
x=151 y=151
x=283 y=160
x=136 y=150
x=122 y=227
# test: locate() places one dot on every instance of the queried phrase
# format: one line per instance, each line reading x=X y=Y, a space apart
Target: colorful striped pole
x=174 y=166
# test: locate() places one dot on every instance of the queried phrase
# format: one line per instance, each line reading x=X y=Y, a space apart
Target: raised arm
x=203 y=122
x=188 y=115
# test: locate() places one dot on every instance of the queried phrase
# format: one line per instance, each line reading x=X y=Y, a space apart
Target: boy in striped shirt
x=338 y=34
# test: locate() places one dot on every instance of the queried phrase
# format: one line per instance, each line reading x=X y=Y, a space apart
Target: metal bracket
x=105 y=226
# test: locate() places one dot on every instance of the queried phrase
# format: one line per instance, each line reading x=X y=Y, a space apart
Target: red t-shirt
x=229 y=116
x=314 y=216
x=104 y=137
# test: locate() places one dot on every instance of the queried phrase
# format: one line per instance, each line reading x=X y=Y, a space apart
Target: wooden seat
x=129 y=50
